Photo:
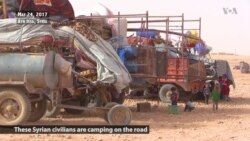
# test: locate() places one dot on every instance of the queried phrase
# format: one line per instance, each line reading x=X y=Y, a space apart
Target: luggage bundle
x=192 y=42
x=27 y=37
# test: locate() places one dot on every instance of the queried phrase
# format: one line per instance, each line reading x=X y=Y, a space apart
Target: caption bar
x=137 y=129
x=30 y=17
x=29 y=14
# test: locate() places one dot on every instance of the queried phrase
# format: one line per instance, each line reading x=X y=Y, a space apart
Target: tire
x=163 y=93
x=119 y=115
x=211 y=72
x=38 y=109
x=109 y=106
x=10 y=99
x=51 y=111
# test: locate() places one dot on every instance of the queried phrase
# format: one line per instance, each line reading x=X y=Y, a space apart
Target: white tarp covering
x=109 y=67
x=11 y=32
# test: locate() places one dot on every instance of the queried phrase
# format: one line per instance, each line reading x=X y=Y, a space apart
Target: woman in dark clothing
x=225 y=89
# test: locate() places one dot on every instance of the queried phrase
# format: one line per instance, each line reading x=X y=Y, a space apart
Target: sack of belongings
x=202 y=49
x=192 y=42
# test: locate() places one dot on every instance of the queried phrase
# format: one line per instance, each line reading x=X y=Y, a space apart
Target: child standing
x=206 y=92
x=174 y=98
x=216 y=96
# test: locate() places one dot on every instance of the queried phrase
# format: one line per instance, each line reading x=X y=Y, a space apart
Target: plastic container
x=201 y=49
x=173 y=109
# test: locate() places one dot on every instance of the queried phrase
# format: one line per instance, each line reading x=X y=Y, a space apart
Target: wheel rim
x=163 y=93
x=120 y=115
x=10 y=109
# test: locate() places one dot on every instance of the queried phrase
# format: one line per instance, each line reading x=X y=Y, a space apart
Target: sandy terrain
x=230 y=123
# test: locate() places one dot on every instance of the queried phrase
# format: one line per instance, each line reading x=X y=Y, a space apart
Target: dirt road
x=230 y=123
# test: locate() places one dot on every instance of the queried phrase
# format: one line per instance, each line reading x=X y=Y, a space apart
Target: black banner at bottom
x=135 y=129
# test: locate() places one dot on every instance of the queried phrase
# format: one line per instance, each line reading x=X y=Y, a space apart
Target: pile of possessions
x=160 y=58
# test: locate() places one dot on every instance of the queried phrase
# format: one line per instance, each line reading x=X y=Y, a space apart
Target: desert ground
x=230 y=123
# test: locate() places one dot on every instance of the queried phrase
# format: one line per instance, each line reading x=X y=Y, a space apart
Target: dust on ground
x=230 y=123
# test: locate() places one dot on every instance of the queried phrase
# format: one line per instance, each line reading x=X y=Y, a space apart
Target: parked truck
x=42 y=66
x=161 y=52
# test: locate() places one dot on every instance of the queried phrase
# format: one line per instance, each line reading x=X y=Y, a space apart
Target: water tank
x=37 y=69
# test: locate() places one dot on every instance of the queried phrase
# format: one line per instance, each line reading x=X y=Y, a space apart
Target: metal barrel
x=36 y=69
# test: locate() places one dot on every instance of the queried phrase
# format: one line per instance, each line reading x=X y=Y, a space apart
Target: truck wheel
x=119 y=115
x=15 y=107
x=211 y=72
x=38 y=109
x=163 y=92
x=51 y=111
x=108 y=106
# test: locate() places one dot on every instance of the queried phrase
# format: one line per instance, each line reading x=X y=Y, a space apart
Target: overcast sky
x=224 y=32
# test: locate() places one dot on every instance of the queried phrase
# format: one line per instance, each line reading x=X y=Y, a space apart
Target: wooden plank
x=5 y=13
